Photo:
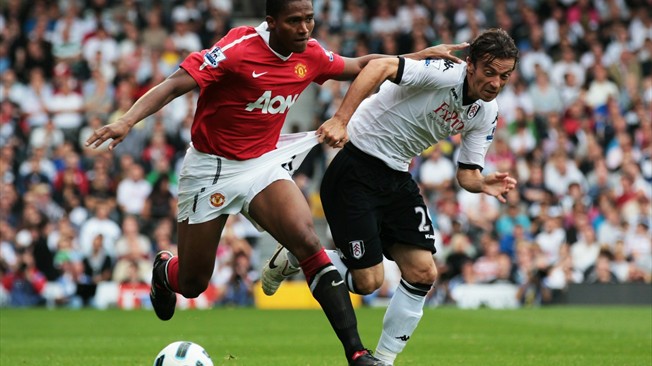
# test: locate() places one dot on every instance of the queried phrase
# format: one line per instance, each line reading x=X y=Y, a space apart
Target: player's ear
x=470 y=66
x=271 y=22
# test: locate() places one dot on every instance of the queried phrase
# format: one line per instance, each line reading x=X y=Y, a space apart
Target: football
x=183 y=353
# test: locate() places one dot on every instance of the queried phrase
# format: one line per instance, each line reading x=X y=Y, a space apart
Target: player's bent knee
x=192 y=288
x=367 y=282
x=366 y=288
x=304 y=245
x=426 y=274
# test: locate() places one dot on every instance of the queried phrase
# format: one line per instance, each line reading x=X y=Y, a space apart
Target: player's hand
x=444 y=51
x=333 y=132
x=116 y=131
x=498 y=185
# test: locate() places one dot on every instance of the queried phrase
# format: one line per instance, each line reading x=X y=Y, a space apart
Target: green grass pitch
x=555 y=336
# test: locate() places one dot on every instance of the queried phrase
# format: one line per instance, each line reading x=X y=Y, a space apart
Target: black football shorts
x=370 y=207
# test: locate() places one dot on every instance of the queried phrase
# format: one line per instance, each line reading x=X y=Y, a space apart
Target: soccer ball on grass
x=183 y=353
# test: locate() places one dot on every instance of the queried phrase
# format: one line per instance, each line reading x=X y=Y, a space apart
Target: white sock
x=294 y=262
x=401 y=319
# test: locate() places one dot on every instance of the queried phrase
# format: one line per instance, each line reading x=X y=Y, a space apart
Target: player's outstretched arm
x=495 y=184
x=333 y=131
x=444 y=51
x=180 y=82
x=353 y=66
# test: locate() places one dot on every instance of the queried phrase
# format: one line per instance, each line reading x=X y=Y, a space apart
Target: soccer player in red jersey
x=239 y=162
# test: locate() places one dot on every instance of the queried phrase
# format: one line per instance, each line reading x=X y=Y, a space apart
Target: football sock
x=294 y=262
x=334 y=255
x=327 y=288
x=171 y=278
x=401 y=319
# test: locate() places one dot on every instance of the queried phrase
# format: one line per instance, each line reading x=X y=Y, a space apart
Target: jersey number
x=423 y=226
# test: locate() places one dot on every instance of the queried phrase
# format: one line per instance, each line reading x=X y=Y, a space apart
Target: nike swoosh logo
x=337 y=283
x=255 y=75
x=273 y=259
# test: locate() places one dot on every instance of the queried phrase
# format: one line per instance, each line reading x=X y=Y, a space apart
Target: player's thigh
x=406 y=219
x=282 y=210
x=417 y=264
x=350 y=207
x=197 y=245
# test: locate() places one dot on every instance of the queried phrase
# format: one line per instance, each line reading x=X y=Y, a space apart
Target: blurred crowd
x=575 y=129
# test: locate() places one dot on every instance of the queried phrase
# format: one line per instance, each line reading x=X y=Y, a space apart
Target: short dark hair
x=274 y=7
x=492 y=44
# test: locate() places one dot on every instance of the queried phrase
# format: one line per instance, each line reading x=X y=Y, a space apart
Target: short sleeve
x=331 y=64
x=476 y=142
x=206 y=66
x=430 y=74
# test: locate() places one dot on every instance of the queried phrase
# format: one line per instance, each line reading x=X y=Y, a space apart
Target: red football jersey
x=247 y=90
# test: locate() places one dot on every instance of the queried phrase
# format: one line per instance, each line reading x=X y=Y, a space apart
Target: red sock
x=314 y=263
x=173 y=274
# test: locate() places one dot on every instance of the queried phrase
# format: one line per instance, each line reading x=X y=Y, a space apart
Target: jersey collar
x=263 y=32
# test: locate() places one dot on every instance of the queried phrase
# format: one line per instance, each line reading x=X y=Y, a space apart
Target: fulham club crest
x=473 y=110
x=357 y=248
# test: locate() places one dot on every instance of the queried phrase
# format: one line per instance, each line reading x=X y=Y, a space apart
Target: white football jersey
x=400 y=121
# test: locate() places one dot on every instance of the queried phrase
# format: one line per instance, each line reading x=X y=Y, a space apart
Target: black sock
x=329 y=290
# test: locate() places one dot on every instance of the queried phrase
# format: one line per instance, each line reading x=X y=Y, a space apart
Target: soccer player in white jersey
x=370 y=200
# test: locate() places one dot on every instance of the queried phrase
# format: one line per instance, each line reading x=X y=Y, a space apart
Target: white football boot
x=277 y=269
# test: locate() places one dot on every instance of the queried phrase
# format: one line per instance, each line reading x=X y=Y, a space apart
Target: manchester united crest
x=217 y=200
x=301 y=70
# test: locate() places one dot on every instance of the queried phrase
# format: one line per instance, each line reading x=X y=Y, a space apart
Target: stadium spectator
x=239 y=289
x=384 y=21
x=600 y=272
x=98 y=268
x=24 y=283
x=436 y=173
x=600 y=89
x=153 y=34
x=99 y=223
x=71 y=174
x=545 y=96
x=611 y=229
x=550 y=239
x=67 y=107
x=511 y=217
x=487 y=266
x=183 y=37
x=160 y=204
x=522 y=140
x=98 y=96
x=34 y=101
x=560 y=172
x=132 y=248
x=585 y=251
x=133 y=191
x=132 y=243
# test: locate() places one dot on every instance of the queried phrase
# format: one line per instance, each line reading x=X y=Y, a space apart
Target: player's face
x=291 y=29
x=487 y=79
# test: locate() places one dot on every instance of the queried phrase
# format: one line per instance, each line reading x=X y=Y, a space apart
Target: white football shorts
x=210 y=186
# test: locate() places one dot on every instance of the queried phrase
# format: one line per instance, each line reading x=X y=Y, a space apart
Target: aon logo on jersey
x=277 y=104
